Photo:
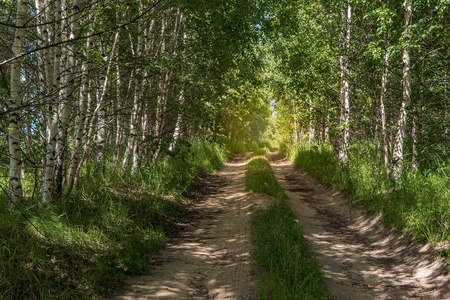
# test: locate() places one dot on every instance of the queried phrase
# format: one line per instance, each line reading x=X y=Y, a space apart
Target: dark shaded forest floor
x=210 y=258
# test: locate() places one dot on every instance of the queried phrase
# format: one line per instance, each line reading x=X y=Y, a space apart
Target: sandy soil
x=361 y=259
x=211 y=258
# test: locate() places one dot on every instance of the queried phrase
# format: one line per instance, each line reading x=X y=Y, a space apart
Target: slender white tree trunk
x=326 y=135
x=80 y=120
x=14 y=138
x=119 y=119
x=178 y=131
x=100 y=109
x=161 y=101
x=165 y=83
x=68 y=88
x=79 y=127
x=133 y=132
x=138 y=107
x=311 y=123
x=344 y=118
x=384 y=82
x=137 y=112
x=53 y=71
x=397 y=156
x=132 y=139
x=295 y=131
x=101 y=134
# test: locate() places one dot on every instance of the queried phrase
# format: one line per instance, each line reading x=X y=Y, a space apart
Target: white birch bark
x=119 y=119
x=344 y=118
x=67 y=90
x=137 y=107
x=397 y=156
x=101 y=133
x=311 y=123
x=126 y=155
x=161 y=100
x=42 y=39
x=79 y=126
x=80 y=120
x=53 y=71
x=136 y=113
x=295 y=131
x=326 y=135
x=39 y=30
x=384 y=82
x=132 y=139
x=164 y=85
x=178 y=131
x=99 y=110
x=14 y=138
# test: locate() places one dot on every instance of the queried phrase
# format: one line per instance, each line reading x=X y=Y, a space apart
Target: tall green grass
x=260 y=178
x=85 y=245
x=259 y=147
x=417 y=203
x=290 y=272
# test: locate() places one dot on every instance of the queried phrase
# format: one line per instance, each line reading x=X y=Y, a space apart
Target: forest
x=116 y=115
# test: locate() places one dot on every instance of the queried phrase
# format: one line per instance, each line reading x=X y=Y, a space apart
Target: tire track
x=361 y=259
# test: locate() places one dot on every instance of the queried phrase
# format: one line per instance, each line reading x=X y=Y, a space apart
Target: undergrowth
x=417 y=203
x=259 y=147
x=85 y=245
x=260 y=178
x=289 y=271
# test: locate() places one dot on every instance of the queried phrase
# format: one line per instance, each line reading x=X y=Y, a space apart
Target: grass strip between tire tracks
x=290 y=272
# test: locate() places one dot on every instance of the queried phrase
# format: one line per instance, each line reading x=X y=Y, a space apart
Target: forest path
x=210 y=259
x=361 y=259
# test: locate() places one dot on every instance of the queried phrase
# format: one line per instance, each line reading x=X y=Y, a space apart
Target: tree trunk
x=311 y=123
x=384 y=82
x=178 y=131
x=133 y=130
x=119 y=119
x=81 y=118
x=295 y=131
x=164 y=84
x=14 y=138
x=53 y=79
x=344 y=138
x=68 y=60
x=137 y=120
x=326 y=135
x=397 y=157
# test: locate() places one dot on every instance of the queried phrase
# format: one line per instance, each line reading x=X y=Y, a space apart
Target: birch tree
x=344 y=118
x=384 y=82
x=14 y=131
x=397 y=156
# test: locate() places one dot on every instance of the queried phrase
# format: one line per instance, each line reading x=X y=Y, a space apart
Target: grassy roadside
x=84 y=246
x=417 y=203
x=281 y=250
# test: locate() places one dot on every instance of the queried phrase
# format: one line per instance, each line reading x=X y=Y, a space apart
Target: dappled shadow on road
x=360 y=257
x=210 y=259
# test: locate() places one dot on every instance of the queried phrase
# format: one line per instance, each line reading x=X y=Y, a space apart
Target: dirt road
x=360 y=258
x=211 y=258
